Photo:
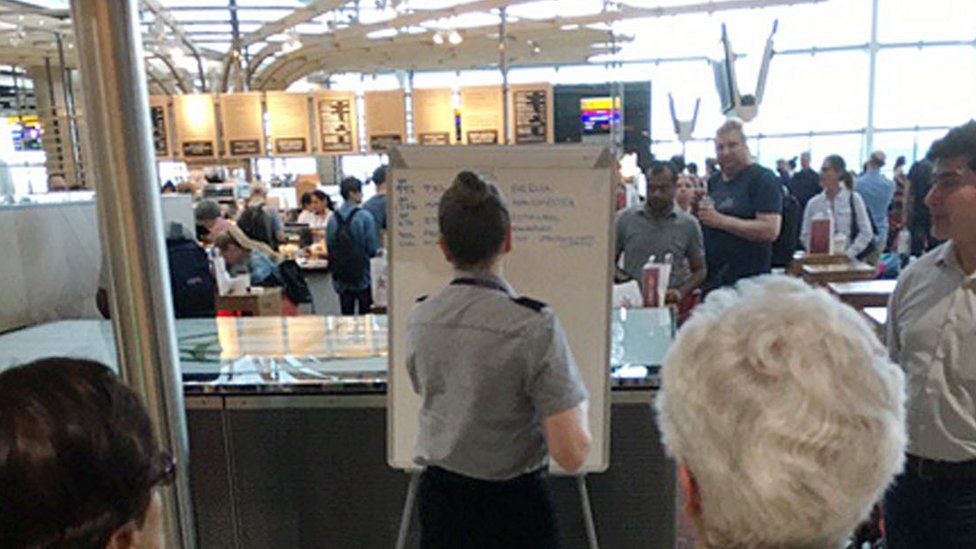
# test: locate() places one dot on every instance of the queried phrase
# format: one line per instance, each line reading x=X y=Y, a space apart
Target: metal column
x=71 y=113
x=110 y=58
x=503 y=66
x=872 y=80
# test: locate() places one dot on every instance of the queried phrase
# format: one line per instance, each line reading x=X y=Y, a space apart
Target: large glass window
x=925 y=87
x=910 y=21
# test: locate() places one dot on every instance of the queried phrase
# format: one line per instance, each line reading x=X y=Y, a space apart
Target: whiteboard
x=561 y=203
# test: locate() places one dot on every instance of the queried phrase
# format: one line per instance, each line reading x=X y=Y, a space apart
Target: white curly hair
x=784 y=406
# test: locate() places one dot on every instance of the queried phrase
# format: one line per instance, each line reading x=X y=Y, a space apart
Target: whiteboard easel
x=561 y=202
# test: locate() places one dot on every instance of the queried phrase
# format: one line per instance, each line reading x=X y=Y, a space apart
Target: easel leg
x=587 y=512
x=408 y=505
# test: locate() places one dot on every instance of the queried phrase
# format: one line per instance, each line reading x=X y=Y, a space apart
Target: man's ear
x=125 y=537
x=507 y=246
x=445 y=250
x=689 y=488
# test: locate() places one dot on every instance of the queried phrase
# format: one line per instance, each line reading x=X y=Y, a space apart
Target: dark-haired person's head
x=834 y=173
x=952 y=199
x=661 y=177
x=379 y=176
x=79 y=466
x=351 y=189
x=474 y=223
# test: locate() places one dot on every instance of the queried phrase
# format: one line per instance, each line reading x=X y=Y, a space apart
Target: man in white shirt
x=932 y=335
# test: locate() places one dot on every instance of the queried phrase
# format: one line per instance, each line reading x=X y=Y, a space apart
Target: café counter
x=287 y=428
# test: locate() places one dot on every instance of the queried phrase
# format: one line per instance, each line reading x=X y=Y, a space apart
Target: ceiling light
x=455 y=38
x=438 y=39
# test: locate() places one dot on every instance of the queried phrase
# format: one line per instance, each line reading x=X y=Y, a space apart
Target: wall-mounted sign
x=433 y=116
x=159 y=117
x=288 y=123
x=384 y=142
x=198 y=149
x=335 y=118
x=386 y=123
x=157 y=114
x=245 y=147
x=243 y=123
x=291 y=145
x=481 y=114
x=434 y=138
x=482 y=137
x=530 y=111
x=196 y=124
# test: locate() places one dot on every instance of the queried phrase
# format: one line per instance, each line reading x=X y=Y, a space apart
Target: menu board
x=336 y=122
x=386 y=123
x=159 y=119
x=288 y=124
x=482 y=117
x=243 y=123
x=531 y=113
x=196 y=125
x=433 y=117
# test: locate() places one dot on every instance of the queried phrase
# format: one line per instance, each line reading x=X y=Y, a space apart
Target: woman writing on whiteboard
x=500 y=390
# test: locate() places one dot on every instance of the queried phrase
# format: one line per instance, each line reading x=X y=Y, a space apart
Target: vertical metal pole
x=69 y=105
x=110 y=58
x=57 y=134
x=872 y=78
x=408 y=109
x=503 y=66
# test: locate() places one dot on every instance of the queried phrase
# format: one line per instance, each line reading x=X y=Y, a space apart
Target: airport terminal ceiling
x=820 y=89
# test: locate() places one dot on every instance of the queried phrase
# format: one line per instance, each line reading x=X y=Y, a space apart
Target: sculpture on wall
x=744 y=106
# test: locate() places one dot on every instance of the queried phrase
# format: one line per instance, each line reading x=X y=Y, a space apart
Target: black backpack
x=190 y=279
x=293 y=282
x=348 y=258
x=258 y=225
x=788 y=240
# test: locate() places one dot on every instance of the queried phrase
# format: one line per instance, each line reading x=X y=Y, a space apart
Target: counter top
x=262 y=355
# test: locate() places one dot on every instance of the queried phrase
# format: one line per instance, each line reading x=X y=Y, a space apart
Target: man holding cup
x=741 y=214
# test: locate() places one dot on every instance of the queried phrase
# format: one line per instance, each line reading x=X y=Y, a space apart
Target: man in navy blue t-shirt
x=744 y=214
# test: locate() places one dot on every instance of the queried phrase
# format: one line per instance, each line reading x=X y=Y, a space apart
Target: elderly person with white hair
x=781 y=441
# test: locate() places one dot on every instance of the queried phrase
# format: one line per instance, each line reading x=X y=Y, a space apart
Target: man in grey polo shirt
x=658 y=228
x=501 y=391
x=932 y=335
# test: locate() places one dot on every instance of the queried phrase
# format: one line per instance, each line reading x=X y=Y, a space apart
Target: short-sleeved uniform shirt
x=489 y=367
x=641 y=235
x=755 y=190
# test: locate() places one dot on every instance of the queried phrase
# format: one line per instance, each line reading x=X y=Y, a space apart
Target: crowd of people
x=753 y=219
x=781 y=439
x=352 y=233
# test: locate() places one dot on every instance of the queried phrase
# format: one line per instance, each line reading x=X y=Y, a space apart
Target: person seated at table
x=839 y=202
x=78 y=463
x=241 y=253
x=781 y=440
x=210 y=220
x=316 y=209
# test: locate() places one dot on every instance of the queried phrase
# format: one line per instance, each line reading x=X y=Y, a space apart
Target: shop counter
x=287 y=428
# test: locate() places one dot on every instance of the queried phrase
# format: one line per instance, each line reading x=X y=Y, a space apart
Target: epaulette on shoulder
x=533 y=304
x=421 y=299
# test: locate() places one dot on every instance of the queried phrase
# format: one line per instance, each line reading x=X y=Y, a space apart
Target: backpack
x=190 y=279
x=788 y=240
x=347 y=254
x=293 y=282
x=258 y=225
x=856 y=230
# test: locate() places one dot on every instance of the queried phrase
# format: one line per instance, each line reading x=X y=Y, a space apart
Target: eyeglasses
x=948 y=180
x=164 y=470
